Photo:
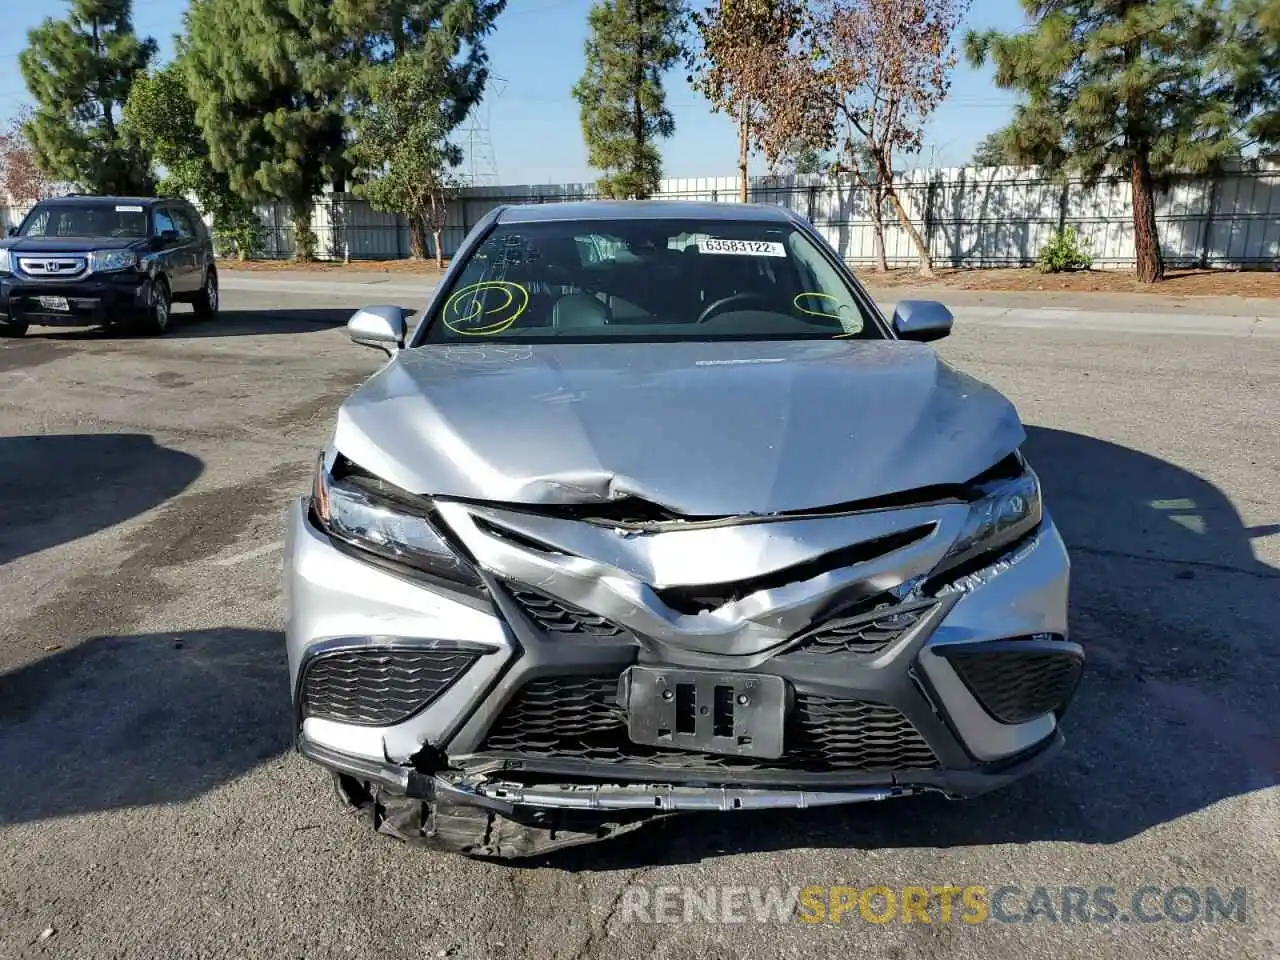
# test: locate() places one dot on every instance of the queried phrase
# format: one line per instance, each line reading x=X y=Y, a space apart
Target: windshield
x=86 y=220
x=606 y=280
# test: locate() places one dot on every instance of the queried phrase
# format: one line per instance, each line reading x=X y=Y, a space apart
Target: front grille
x=865 y=634
x=1016 y=686
x=579 y=718
x=59 y=266
x=378 y=686
x=556 y=616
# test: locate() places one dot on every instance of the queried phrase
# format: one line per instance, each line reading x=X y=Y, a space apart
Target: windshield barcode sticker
x=749 y=248
x=123 y=208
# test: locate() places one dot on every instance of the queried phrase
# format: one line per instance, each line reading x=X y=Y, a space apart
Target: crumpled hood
x=701 y=428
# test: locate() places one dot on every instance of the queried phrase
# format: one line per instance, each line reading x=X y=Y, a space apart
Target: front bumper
x=914 y=689
x=92 y=301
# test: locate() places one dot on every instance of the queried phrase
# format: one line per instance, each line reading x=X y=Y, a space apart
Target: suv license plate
x=737 y=714
x=55 y=303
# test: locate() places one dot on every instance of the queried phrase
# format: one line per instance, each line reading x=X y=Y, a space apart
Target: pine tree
x=631 y=45
x=161 y=115
x=991 y=151
x=1127 y=85
x=427 y=67
x=79 y=72
x=269 y=79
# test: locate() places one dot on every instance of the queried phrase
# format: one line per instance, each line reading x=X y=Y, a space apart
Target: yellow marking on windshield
x=814 y=310
x=467 y=306
x=825 y=314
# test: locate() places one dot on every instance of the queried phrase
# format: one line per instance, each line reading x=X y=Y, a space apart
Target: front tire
x=159 y=309
x=8 y=328
x=206 y=302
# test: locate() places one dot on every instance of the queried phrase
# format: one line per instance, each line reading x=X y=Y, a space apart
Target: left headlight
x=1005 y=511
x=6 y=261
x=370 y=515
x=112 y=261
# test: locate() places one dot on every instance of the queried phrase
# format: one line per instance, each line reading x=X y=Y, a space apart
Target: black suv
x=79 y=260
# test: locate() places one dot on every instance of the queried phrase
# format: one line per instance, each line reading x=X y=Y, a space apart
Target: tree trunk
x=876 y=205
x=1146 y=239
x=417 y=237
x=744 y=142
x=638 y=119
x=436 y=236
x=304 y=238
x=926 y=262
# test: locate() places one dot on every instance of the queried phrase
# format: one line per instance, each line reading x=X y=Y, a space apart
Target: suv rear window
x=106 y=219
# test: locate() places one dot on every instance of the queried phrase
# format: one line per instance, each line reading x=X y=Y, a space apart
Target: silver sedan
x=655 y=512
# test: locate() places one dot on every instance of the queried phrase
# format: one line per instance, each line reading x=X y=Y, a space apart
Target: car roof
x=78 y=198
x=642 y=210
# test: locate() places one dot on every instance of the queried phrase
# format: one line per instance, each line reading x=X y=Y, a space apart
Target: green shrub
x=239 y=235
x=1066 y=251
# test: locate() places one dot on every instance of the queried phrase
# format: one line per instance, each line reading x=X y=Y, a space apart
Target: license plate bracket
x=57 y=304
x=735 y=714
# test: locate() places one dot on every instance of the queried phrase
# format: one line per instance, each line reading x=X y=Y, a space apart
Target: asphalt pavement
x=150 y=804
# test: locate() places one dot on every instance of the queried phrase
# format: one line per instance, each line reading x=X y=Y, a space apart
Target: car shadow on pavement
x=157 y=718
x=183 y=325
x=252 y=323
x=1175 y=713
x=59 y=487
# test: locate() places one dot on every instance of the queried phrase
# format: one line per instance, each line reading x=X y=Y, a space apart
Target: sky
x=533 y=134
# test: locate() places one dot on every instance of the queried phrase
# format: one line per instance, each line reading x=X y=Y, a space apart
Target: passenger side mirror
x=382 y=327
x=921 y=320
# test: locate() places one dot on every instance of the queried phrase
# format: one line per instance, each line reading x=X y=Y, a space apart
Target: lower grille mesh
x=556 y=616
x=579 y=718
x=1017 y=686
x=378 y=686
x=866 y=634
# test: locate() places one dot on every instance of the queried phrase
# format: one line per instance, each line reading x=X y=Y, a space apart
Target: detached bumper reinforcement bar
x=668 y=799
x=504 y=797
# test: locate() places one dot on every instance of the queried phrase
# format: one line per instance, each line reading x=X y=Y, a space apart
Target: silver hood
x=701 y=428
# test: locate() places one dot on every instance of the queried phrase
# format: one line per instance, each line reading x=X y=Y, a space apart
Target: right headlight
x=1007 y=510
x=368 y=514
x=6 y=261
x=112 y=261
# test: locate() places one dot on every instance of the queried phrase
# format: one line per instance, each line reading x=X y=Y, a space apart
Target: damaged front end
x=508 y=679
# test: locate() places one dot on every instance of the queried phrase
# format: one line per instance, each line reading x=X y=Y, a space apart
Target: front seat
x=578 y=310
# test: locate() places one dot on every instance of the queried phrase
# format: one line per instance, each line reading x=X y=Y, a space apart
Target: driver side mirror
x=382 y=327
x=12 y=231
x=921 y=320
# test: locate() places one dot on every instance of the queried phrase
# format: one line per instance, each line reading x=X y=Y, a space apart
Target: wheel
x=156 y=318
x=9 y=328
x=206 y=301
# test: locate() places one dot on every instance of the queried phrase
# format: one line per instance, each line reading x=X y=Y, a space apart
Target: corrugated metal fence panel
x=999 y=216
x=11 y=216
x=1245 y=227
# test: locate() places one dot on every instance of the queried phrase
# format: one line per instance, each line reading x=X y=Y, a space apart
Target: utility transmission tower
x=481 y=160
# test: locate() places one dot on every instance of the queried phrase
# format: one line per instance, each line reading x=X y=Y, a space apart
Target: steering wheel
x=719 y=306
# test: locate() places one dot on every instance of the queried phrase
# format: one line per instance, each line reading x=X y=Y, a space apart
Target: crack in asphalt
x=1261 y=574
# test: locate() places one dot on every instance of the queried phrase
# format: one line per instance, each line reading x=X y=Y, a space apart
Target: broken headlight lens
x=1007 y=510
x=357 y=510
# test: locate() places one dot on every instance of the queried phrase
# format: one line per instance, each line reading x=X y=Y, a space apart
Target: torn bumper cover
x=596 y=675
x=486 y=817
